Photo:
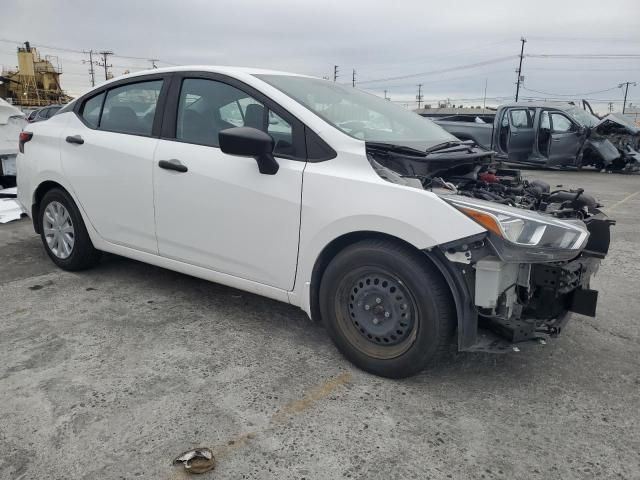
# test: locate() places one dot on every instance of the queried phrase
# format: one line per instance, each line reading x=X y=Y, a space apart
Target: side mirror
x=250 y=142
x=586 y=131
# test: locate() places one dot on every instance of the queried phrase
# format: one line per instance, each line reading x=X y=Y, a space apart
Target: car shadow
x=212 y=298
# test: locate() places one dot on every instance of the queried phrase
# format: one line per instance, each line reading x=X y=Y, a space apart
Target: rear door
x=220 y=212
x=107 y=155
x=566 y=140
x=521 y=134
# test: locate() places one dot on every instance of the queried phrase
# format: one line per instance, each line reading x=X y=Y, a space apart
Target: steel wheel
x=58 y=230
x=378 y=313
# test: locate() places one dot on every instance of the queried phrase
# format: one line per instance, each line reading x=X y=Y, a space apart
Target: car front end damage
x=504 y=301
x=521 y=279
x=612 y=144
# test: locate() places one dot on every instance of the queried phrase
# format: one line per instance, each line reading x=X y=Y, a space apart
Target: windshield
x=583 y=117
x=359 y=114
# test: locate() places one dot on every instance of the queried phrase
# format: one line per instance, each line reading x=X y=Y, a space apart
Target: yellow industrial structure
x=35 y=83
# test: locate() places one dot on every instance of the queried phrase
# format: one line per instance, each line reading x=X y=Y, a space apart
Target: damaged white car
x=395 y=234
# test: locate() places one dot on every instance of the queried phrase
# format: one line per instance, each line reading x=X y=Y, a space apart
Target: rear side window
x=131 y=108
x=91 y=110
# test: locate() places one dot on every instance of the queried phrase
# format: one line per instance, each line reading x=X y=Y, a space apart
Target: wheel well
x=38 y=195
x=335 y=247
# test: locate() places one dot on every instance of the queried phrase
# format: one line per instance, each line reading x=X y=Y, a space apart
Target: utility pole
x=523 y=40
x=92 y=71
x=611 y=106
x=419 y=96
x=335 y=73
x=153 y=62
x=626 y=90
x=385 y=95
x=105 y=56
x=353 y=78
x=484 y=100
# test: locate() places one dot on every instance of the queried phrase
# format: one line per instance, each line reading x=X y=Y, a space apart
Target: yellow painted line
x=625 y=199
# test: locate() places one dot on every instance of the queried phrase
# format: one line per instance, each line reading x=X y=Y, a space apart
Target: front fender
x=345 y=196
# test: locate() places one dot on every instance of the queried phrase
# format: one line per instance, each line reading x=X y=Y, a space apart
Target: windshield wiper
x=396 y=148
x=443 y=146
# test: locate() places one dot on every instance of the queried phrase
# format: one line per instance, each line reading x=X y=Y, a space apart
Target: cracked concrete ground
x=111 y=373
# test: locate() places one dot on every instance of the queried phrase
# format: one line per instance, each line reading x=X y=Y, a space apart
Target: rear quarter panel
x=41 y=158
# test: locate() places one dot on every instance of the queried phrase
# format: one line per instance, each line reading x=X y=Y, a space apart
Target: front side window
x=91 y=110
x=560 y=123
x=131 y=108
x=207 y=106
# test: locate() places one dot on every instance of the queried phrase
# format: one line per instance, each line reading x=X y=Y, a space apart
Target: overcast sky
x=381 y=40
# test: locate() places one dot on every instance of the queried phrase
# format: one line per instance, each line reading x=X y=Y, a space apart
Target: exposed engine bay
x=519 y=289
x=466 y=169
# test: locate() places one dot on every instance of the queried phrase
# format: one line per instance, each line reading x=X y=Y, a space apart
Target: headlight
x=523 y=235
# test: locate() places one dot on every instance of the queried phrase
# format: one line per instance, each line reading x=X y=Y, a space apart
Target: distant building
x=35 y=83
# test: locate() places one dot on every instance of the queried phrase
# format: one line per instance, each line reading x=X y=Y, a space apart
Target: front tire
x=387 y=309
x=63 y=232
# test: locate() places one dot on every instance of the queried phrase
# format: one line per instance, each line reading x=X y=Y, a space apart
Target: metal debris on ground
x=198 y=460
x=10 y=210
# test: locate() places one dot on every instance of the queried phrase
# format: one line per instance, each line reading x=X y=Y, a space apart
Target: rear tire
x=63 y=232
x=387 y=309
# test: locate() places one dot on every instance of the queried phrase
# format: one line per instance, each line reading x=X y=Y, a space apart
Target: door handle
x=77 y=139
x=173 y=164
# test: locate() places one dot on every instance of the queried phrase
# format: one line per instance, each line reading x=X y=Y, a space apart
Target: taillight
x=24 y=138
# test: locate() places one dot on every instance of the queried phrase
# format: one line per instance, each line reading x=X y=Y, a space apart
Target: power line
x=444 y=70
x=597 y=56
x=570 y=94
x=72 y=50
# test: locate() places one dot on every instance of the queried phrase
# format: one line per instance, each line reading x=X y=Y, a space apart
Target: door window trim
x=160 y=105
x=170 y=119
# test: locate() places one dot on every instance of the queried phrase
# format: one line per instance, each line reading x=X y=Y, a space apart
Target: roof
x=558 y=105
x=229 y=70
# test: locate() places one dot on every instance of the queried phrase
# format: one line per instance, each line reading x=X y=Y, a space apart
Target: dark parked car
x=43 y=113
x=552 y=135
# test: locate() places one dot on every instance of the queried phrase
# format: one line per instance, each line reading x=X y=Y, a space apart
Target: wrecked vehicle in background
x=398 y=236
x=555 y=135
x=12 y=122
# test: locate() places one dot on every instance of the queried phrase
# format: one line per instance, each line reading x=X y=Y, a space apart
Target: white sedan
x=305 y=191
